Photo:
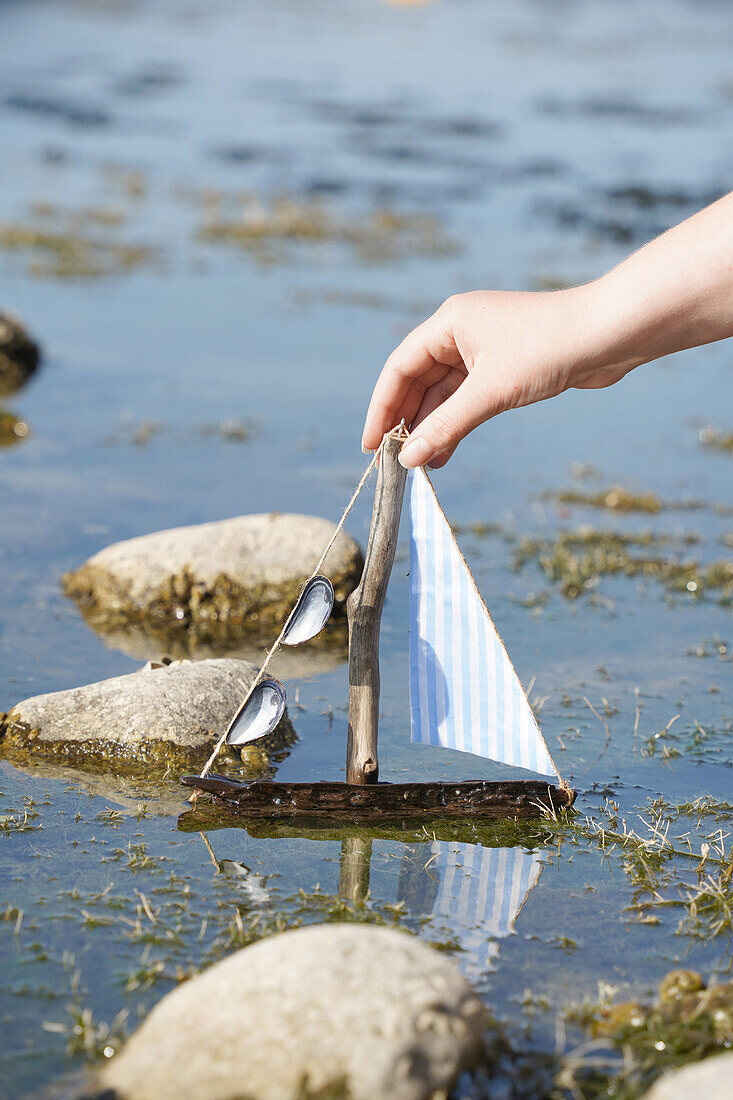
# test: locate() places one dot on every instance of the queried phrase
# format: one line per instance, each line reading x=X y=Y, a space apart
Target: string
x=276 y=644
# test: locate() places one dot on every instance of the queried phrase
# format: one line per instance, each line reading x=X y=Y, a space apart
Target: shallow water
x=545 y=141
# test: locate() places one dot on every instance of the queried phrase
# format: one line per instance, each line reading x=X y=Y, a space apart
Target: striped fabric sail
x=475 y=892
x=464 y=692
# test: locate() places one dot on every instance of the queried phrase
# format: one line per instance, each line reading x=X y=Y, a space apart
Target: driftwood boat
x=464 y=692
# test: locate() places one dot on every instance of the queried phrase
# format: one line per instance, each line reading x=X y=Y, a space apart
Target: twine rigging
x=278 y=641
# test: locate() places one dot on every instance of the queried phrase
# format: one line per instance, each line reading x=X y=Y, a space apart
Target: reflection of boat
x=253 y=886
x=472 y=893
x=476 y=893
x=464 y=692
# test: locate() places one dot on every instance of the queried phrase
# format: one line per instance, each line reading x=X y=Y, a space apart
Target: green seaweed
x=264 y=228
x=71 y=253
x=577 y=560
x=689 y=1020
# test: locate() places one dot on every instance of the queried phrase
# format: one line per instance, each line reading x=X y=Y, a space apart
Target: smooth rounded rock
x=711 y=1079
x=229 y=577
x=164 y=714
x=19 y=355
x=367 y=1012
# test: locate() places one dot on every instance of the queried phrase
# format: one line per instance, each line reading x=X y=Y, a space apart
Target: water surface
x=543 y=142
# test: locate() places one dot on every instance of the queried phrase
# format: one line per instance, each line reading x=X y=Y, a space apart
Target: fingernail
x=365 y=450
x=416 y=452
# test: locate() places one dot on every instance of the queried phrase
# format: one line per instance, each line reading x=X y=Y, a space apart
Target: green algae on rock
x=227 y=578
x=19 y=355
x=162 y=716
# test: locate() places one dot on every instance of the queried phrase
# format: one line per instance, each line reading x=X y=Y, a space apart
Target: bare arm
x=488 y=351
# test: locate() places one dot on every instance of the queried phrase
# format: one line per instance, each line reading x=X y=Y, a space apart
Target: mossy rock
x=19 y=355
x=224 y=579
x=163 y=716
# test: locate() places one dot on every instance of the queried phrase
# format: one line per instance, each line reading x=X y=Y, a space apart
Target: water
x=527 y=131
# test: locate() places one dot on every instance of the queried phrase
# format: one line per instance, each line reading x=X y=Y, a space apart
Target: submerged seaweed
x=76 y=245
x=262 y=227
x=577 y=560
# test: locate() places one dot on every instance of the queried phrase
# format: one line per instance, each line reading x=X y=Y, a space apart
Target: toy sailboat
x=464 y=692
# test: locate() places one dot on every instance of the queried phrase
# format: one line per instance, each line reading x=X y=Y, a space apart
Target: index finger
x=409 y=371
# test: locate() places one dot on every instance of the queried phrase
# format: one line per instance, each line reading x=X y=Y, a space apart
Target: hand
x=479 y=355
x=486 y=352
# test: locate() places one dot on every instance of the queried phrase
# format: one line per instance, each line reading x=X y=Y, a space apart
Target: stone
x=355 y=1010
x=220 y=579
x=712 y=1078
x=19 y=355
x=166 y=714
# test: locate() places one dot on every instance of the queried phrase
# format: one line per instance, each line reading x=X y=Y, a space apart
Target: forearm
x=674 y=293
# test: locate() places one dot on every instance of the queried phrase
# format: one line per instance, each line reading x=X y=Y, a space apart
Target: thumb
x=445 y=427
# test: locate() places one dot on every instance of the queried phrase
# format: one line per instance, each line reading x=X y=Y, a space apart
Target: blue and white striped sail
x=476 y=893
x=464 y=692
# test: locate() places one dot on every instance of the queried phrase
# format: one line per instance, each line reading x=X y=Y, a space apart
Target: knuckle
x=444 y=430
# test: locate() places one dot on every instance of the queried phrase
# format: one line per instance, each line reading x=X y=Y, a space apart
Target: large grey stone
x=373 y=1013
x=708 y=1080
x=168 y=714
x=221 y=578
x=19 y=355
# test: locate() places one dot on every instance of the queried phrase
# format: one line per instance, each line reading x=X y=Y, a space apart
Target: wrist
x=618 y=333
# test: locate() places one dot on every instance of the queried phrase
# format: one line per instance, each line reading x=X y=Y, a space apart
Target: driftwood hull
x=474 y=799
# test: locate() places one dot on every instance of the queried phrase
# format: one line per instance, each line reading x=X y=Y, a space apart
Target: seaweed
x=577 y=560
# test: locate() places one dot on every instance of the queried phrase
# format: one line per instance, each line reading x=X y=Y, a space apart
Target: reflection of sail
x=464 y=692
x=475 y=892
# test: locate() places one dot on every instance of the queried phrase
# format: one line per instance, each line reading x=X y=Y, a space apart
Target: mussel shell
x=311 y=612
x=260 y=714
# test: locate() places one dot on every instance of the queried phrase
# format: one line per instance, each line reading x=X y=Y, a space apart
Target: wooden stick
x=364 y=613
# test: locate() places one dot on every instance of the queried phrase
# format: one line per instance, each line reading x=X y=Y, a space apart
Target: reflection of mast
x=356 y=855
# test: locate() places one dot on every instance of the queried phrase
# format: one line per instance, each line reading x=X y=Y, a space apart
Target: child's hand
x=481 y=354
x=485 y=352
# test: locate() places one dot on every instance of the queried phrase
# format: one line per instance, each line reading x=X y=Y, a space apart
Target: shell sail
x=311 y=612
x=260 y=714
x=464 y=691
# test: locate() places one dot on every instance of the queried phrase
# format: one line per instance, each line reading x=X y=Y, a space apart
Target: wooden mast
x=364 y=614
